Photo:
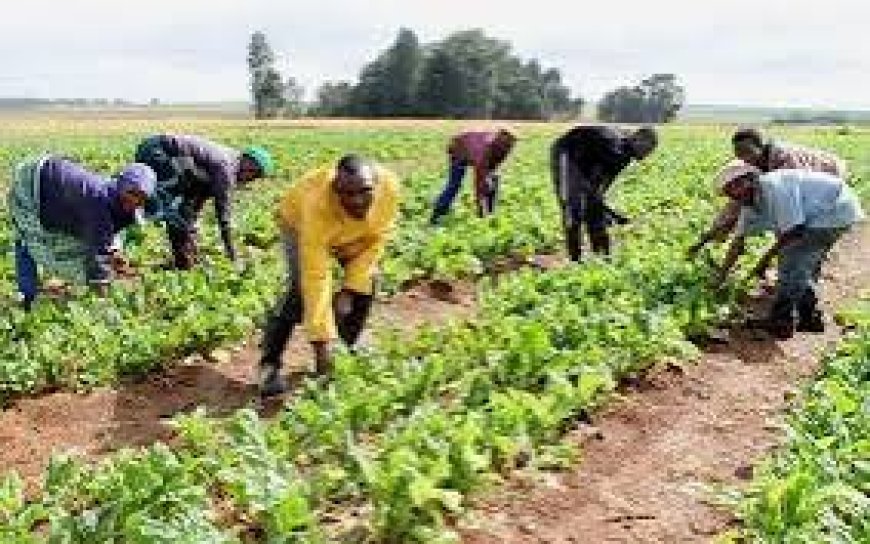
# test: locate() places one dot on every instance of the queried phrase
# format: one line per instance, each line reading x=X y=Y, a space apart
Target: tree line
x=467 y=75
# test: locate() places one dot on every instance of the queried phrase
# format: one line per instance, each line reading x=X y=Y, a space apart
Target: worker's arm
x=722 y=225
x=360 y=269
x=782 y=240
x=787 y=238
x=735 y=250
x=222 y=210
x=481 y=173
x=765 y=261
x=221 y=169
x=99 y=238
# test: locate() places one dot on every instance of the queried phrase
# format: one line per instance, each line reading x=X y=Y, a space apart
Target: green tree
x=476 y=61
x=294 y=98
x=657 y=99
x=466 y=75
x=267 y=85
x=664 y=96
x=333 y=99
x=388 y=85
x=404 y=64
x=519 y=93
x=441 y=89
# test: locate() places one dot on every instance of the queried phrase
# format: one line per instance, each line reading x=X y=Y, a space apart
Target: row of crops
x=817 y=487
x=166 y=315
x=396 y=442
x=391 y=449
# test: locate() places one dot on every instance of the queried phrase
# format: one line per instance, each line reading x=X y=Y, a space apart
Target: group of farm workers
x=66 y=219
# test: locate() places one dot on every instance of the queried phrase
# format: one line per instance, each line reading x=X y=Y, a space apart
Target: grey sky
x=773 y=52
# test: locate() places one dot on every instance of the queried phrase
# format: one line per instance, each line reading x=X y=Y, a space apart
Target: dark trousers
x=289 y=312
x=800 y=265
x=183 y=232
x=581 y=206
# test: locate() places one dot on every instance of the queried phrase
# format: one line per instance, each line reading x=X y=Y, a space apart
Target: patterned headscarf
x=734 y=170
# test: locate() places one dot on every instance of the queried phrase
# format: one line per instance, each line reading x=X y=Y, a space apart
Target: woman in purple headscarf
x=65 y=219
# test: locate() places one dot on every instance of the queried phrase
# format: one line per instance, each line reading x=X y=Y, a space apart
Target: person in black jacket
x=584 y=162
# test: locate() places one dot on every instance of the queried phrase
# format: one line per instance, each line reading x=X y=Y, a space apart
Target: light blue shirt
x=790 y=198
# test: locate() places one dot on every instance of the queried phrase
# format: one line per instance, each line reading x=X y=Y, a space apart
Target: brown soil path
x=649 y=460
x=136 y=413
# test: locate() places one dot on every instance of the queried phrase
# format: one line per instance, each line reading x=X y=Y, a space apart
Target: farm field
x=393 y=449
x=816 y=488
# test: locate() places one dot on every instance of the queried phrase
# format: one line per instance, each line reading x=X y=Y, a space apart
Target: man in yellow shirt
x=346 y=212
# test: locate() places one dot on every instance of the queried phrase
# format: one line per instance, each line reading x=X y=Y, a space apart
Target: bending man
x=808 y=211
x=585 y=161
x=750 y=147
x=346 y=212
x=484 y=152
x=191 y=170
x=65 y=219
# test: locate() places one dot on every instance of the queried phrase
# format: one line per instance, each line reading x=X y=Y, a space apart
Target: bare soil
x=652 y=462
x=136 y=413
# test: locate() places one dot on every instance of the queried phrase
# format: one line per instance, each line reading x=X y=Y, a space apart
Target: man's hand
x=239 y=265
x=343 y=303
x=322 y=358
x=615 y=216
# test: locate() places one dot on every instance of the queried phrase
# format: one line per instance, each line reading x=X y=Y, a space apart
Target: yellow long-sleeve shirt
x=311 y=210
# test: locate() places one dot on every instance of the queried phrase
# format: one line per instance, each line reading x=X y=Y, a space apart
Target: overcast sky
x=754 y=52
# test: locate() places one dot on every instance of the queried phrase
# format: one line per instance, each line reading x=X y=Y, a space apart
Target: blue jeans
x=800 y=264
x=26 y=274
x=456 y=171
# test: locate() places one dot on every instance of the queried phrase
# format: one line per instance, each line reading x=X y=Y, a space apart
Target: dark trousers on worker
x=289 y=312
x=799 y=269
x=486 y=197
x=183 y=231
x=581 y=206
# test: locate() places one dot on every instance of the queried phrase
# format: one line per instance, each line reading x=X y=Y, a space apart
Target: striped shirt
x=786 y=156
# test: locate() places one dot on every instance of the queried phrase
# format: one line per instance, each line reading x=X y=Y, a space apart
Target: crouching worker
x=190 y=171
x=346 y=212
x=808 y=211
x=65 y=220
x=585 y=162
x=484 y=152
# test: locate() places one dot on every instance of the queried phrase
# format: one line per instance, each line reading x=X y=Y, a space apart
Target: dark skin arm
x=764 y=263
x=322 y=351
x=495 y=155
x=738 y=246
x=720 y=229
x=735 y=250
x=782 y=241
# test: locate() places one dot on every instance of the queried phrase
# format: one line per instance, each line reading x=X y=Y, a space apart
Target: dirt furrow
x=651 y=461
